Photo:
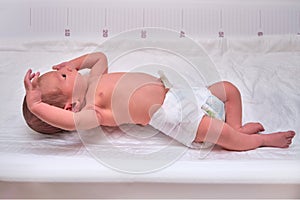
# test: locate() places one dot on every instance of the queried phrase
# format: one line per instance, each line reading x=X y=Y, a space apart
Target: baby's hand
x=66 y=64
x=59 y=66
x=33 y=92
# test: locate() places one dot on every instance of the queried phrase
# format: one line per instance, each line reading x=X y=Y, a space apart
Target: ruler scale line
x=196 y=21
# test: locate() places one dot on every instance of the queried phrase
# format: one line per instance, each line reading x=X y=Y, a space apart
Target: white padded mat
x=266 y=70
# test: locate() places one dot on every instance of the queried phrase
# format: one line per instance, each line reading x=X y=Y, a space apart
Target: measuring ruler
x=193 y=18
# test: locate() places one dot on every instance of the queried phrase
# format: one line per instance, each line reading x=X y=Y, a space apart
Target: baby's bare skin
x=127 y=98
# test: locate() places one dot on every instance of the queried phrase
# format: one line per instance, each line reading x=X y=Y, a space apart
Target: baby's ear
x=74 y=107
x=68 y=106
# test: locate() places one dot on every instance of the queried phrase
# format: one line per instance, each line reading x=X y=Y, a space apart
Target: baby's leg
x=251 y=128
x=221 y=133
x=231 y=97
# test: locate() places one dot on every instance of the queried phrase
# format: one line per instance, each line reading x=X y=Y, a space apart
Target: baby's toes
x=290 y=134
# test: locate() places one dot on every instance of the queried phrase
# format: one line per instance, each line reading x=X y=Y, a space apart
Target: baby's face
x=70 y=82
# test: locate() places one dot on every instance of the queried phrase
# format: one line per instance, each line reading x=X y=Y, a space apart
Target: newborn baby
x=65 y=100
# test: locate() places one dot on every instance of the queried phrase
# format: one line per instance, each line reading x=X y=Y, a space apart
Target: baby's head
x=55 y=99
x=64 y=88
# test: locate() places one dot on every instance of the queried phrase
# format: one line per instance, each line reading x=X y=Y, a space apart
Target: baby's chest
x=98 y=96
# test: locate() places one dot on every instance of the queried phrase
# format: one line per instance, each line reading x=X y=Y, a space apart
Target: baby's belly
x=129 y=98
x=145 y=102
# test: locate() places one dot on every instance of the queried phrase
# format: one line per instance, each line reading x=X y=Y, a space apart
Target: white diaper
x=181 y=113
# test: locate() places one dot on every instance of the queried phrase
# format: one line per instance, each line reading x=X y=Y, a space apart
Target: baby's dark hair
x=54 y=98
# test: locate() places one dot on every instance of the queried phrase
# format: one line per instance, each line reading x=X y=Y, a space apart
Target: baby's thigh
x=209 y=129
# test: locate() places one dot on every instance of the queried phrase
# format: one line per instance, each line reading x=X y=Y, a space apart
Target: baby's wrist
x=34 y=107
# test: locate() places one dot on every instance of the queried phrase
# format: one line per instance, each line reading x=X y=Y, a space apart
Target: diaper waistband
x=164 y=79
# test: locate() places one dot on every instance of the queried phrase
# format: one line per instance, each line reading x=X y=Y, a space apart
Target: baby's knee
x=231 y=89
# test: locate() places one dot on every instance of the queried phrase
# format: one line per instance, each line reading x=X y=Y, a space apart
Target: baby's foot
x=280 y=139
x=252 y=128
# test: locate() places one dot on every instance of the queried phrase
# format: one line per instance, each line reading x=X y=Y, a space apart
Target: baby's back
x=128 y=98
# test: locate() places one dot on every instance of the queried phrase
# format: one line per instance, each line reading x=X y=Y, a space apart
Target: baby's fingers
x=55 y=67
x=59 y=66
x=27 y=79
x=30 y=80
x=31 y=76
x=35 y=80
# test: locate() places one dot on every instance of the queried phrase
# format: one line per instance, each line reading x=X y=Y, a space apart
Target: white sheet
x=265 y=69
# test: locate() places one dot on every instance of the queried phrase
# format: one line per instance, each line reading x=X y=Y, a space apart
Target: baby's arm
x=97 y=62
x=65 y=119
x=55 y=116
